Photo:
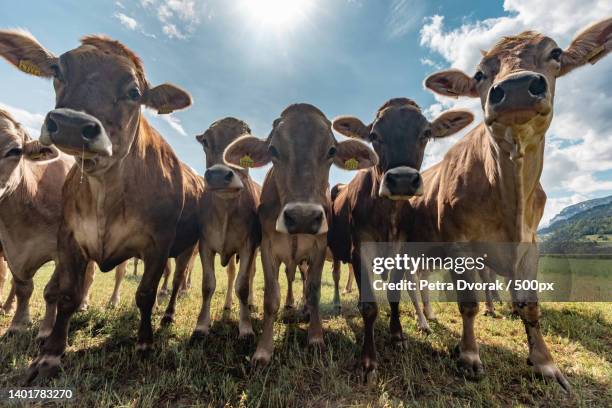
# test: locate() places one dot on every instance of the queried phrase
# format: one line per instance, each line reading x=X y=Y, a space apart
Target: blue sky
x=344 y=56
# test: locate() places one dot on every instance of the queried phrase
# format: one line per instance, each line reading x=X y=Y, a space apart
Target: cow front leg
x=231 y=277
x=243 y=291
x=349 y=282
x=154 y=262
x=336 y=272
x=290 y=274
x=369 y=312
x=23 y=292
x=90 y=271
x=180 y=272
x=68 y=295
x=313 y=299
x=265 y=345
x=4 y=275
x=252 y=272
x=539 y=357
x=50 y=294
x=120 y=272
x=467 y=352
x=209 y=284
x=427 y=309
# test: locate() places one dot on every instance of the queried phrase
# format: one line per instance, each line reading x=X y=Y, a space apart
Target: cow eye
x=373 y=137
x=427 y=134
x=479 y=76
x=273 y=151
x=134 y=94
x=13 y=152
x=556 y=54
x=204 y=142
x=332 y=152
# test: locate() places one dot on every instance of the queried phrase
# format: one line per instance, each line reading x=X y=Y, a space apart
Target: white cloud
x=404 y=15
x=127 y=21
x=31 y=121
x=579 y=141
x=170 y=120
x=171 y=31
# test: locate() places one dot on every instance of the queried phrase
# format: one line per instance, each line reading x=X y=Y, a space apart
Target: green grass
x=103 y=368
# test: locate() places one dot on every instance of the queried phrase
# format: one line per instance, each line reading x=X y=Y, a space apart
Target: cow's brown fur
x=487 y=188
x=361 y=214
x=230 y=226
x=140 y=201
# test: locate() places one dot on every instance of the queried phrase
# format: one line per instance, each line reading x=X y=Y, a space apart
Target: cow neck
x=514 y=170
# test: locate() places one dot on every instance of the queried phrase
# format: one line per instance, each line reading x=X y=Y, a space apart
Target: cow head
x=399 y=135
x=99 y=87
x=15 y=148
x=222 y=178
x=302 y=148
x=515 y=80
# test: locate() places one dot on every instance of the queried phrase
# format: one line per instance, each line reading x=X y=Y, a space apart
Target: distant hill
x=573 y=210
x=587 y=231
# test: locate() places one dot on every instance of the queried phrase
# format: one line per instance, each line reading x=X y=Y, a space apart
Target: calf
x=128 y=195
x=295 y=204
x=230 y=226
x=374 y=206
x=487 y=188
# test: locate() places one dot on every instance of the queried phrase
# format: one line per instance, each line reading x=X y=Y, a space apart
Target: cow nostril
x=228 y=176
x=416 y=181
x=51 y=126
x=496 y=95
x=537 y=87
x=289 y=220
x=91 y=131
x=390 y=180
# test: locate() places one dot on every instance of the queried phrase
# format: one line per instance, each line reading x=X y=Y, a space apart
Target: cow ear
x=22 y=50
x=351 y=126
x=34 y=151
x=450 y=122
x=166 y=98
x=453 y=83
x=247 y=151
x=354 y=155
x=591 y=45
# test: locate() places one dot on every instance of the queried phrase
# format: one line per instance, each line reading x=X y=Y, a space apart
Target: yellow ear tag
x=164 y=110
x=246 y=161
x=351 y=164
x=29 y=67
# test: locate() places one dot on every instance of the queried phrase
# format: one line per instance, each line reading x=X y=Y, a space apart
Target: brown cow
x=9 y=302
x=295 y=204
x=230 y=226
x=374 y=206
x=129 y=195
x=487 y=187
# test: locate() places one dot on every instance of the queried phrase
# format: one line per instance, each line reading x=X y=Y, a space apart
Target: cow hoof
x=289 y=307
x=491 y=313
x=44 y=367
x=261 y=358
x=83 y=307
x=337 y=309
x=42 y=336
x=167 y=320
x=469 y=364
x=16 y=329
x=252 y=308
x=399 y=341
x=246 y=335
x=549 y=371
x=347 y=291
x=425 y=329
x=112 y=303
x=317 y=343
x=144 y=349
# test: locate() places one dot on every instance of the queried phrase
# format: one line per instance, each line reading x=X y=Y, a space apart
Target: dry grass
x=103 y=368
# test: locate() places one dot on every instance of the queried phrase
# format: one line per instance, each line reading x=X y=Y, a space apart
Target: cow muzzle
x=76 y=133
x=518 y=98
x=302 y=218
x=401 y=183
x=222 y=179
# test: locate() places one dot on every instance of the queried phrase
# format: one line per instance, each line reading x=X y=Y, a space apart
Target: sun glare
x=279 y=15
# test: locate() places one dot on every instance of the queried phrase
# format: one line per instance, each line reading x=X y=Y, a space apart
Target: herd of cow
x=101 y=185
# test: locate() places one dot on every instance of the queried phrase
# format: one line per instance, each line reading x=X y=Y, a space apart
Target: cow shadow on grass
x=590 y=329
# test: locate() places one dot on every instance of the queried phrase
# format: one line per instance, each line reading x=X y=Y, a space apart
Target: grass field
x=104 y=369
